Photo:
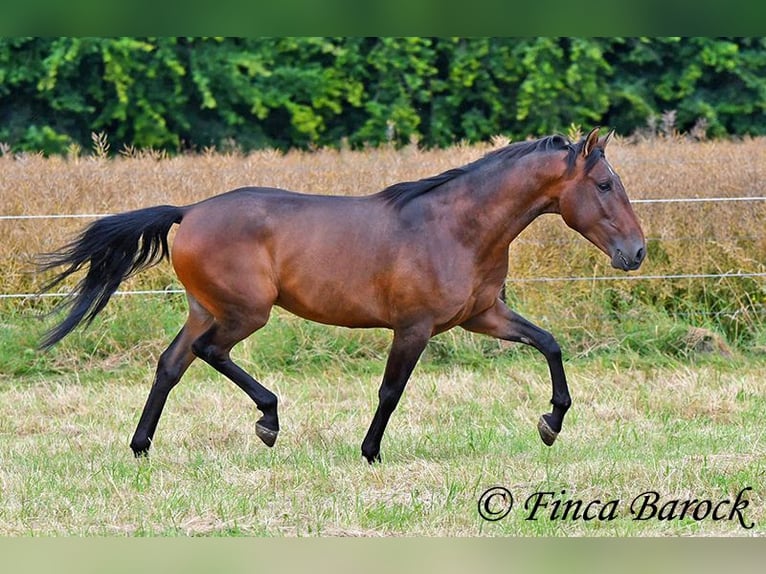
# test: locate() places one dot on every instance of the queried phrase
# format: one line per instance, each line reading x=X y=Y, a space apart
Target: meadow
x=666 y=374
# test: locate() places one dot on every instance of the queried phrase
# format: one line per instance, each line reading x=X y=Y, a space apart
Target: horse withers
x=418 y=258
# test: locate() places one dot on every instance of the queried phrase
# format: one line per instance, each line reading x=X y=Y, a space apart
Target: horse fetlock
x=562 y=404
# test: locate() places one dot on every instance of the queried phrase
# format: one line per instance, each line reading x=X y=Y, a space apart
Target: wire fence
x=171 y=291
x=633 y=201
x=697 y=199
x=54 y=216
x=174 y=291
x=517 y=280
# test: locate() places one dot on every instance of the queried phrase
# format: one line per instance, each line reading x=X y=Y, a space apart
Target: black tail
x=113 y=248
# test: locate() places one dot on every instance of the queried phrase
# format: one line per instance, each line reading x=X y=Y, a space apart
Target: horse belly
x=333 y=277
x=366 y=286
x=330 y=295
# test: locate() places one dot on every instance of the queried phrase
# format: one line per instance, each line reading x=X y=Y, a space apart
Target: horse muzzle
x=629 y=257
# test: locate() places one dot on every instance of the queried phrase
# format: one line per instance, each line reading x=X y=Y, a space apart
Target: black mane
x=400 y=193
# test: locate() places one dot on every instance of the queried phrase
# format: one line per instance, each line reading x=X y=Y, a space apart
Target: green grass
x=685 y=423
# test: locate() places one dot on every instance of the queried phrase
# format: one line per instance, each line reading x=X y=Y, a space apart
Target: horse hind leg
x=214 y=347
x=171 y=366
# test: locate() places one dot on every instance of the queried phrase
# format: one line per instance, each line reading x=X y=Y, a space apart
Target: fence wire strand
x=563 y=279
x=633 y=201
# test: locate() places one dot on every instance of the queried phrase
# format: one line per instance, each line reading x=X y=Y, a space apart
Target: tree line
x=183 y=94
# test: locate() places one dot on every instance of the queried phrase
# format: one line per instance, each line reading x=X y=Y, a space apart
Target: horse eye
x=605 y=186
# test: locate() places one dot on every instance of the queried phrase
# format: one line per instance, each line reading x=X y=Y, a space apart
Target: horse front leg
x=406 y=349
x=500 y=322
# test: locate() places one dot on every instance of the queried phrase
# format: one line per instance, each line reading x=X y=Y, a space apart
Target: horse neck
x=502 y=203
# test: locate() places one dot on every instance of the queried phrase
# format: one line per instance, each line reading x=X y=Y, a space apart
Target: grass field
x=666 y=376
x=684 y=430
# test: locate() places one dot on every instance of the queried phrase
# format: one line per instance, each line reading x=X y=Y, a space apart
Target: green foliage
x=718 y=79
x=190 y=93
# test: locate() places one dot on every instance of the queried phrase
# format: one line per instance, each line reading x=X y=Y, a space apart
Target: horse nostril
x=640 y=254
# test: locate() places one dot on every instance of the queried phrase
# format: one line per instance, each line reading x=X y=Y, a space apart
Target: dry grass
x=690 y=238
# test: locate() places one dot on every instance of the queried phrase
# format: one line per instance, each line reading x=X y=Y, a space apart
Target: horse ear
x=590 y=141
x=607 y=138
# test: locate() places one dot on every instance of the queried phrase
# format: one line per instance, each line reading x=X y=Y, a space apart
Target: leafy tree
x=719 y=79
x=189 y=93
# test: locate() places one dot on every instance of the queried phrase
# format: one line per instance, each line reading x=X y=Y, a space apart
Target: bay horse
x=418 y=258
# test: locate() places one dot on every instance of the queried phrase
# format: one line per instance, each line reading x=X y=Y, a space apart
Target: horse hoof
x=547 y=434
x=268 y=436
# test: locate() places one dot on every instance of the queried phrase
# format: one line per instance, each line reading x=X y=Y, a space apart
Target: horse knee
x=547 y=345
x=552 y=348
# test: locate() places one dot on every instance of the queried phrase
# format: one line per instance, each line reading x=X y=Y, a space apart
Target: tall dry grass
x=35 y=185
x=683 y=238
